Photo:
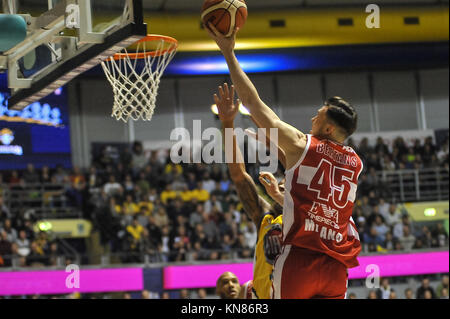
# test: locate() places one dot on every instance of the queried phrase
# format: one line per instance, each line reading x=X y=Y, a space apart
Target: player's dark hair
x=343 y=114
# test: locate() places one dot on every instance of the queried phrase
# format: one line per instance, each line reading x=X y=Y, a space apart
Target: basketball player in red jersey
x=320 y=241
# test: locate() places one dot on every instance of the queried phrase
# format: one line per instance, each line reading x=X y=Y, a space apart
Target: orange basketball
x=225 y=15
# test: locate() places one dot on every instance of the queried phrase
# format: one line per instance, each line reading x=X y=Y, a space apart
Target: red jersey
x=248 y=290
x=318 y=205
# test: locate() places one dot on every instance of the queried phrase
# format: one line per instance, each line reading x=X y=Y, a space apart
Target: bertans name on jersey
x=337 y=156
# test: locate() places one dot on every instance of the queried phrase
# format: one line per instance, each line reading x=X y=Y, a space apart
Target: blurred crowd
x=143 y=204
x=418 y=288
x=424 y=291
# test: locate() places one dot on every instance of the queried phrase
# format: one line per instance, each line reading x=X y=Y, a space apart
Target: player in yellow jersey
x=266 y=217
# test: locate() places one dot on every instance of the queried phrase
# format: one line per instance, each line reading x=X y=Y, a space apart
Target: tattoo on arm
x=253 y=205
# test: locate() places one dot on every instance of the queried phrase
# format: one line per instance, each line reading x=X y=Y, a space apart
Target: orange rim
x=149 y=38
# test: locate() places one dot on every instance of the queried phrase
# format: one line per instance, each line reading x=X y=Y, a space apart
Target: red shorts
x=305 y=274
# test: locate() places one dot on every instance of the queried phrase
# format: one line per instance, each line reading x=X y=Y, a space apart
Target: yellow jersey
x=268 y=246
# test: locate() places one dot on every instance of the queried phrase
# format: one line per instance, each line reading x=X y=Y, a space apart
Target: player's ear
x=329 y=128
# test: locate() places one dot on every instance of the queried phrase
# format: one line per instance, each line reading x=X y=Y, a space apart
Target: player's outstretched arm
x=271 y=185
x=290 y=140
x=254 y=206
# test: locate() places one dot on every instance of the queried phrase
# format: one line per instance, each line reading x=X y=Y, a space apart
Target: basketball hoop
x=135 y=90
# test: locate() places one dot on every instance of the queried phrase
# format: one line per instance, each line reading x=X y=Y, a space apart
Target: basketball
x=225 y=15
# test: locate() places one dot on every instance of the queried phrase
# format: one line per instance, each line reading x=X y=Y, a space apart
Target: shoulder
x=248 y=290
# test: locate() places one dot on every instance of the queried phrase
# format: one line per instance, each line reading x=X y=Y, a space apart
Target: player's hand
x=225 y=104
x=270 y=183
x=225 y=44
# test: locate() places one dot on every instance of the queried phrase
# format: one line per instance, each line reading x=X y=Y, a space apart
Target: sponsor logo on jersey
x=324 y=214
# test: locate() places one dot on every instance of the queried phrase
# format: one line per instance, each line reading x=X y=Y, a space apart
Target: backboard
x=64 y=39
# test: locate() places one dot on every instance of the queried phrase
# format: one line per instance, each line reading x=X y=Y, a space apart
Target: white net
x=135 y=81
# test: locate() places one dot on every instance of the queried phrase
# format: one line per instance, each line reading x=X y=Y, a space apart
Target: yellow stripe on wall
x=310 y=27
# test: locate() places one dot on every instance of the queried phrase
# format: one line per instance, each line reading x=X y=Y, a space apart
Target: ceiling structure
x=195 y=5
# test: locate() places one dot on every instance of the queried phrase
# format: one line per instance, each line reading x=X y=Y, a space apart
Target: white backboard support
x=71 y=37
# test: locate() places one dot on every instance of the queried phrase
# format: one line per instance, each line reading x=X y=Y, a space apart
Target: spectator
x=212 y=203
x=385 y=290
x=383 y=208
x=161 y=218
x=388 y=164
x=168 y=194
x=427 y=295
x=60 y=175
x=218 y=192
x=444 y=293
x=112 y=188
x=142 y=183
x=5 y=250
x=250 y=235
x=128 y=185
x=11 y=233
x=154 y=234
x=352 y=295
x=442 y=285
x=143 y=216
x=198 y=252
x=196 y=216
x=372 y=295
x=30 y=176
x=45 y=177
x=37 y=257
x=440 y=234
x=409 y=293
x=145 y=294
x=4 y=211
x=15 y=180
x=165 y=295
x=380 y=228
x=23 y=244
x=210 y=228
x=184 y=294
x=442 y=154
x=364 y=147
x=201 y=293
x=208 y=183
x=166 y=243
x=200 y=193
x=135 y=232
x=407 y=240
x=373 y=238
x=139 y=159
x=392 y=294
x=389 y=242
x=427 y=239
x=53 y=254
x=393 y=217
x=129 y=207
x=181 y=240
x=425 y=291
x=93 y=180
x=399 y=227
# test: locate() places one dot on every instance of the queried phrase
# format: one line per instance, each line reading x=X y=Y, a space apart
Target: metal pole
x=417 y=182
x=402 y=193
x=438 y=182
x=10 y=6
x=131 y=131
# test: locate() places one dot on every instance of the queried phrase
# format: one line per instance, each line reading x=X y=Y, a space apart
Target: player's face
x=320 y=122
x=228 y=287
